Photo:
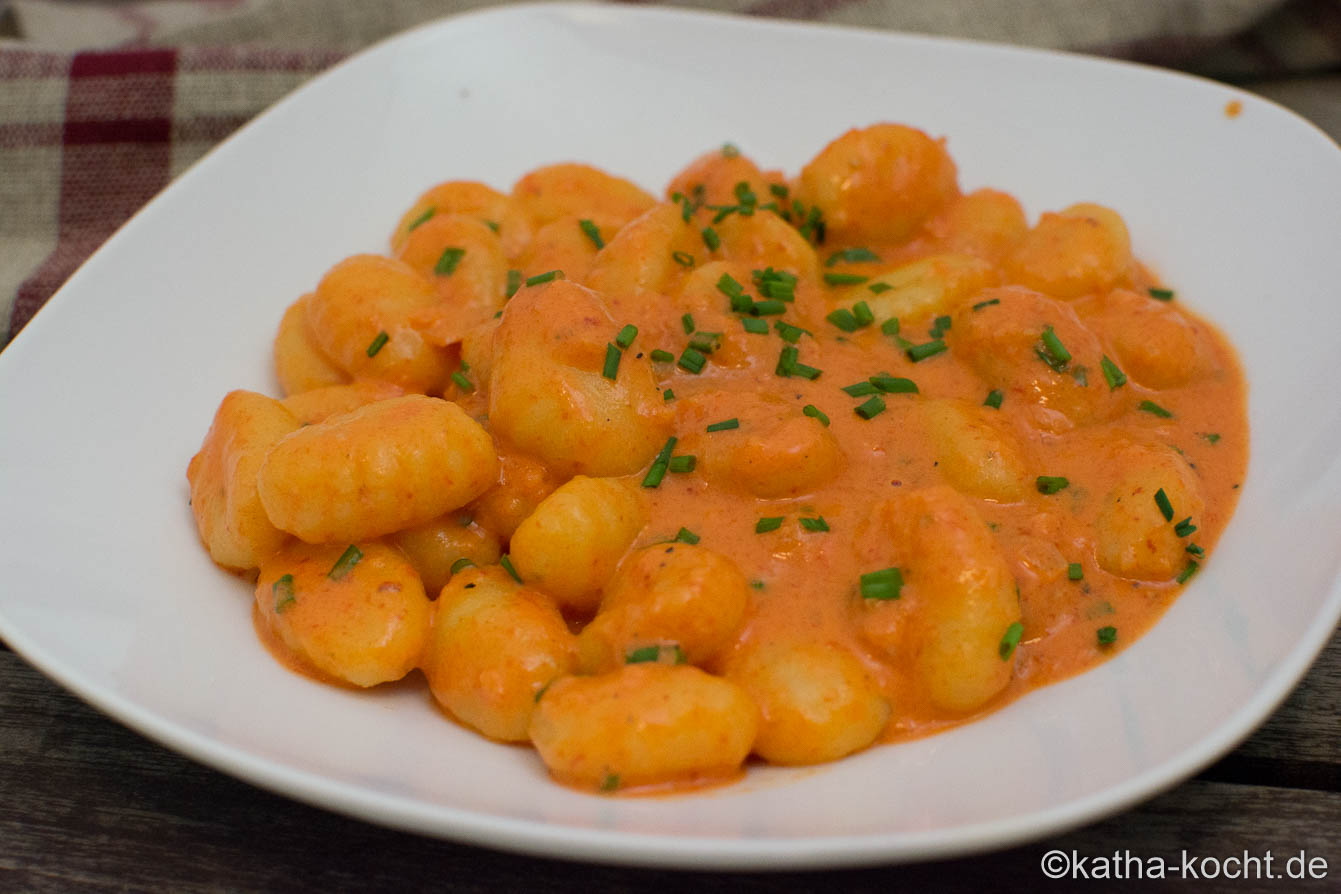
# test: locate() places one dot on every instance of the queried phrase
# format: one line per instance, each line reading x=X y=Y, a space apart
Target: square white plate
x=108 y=392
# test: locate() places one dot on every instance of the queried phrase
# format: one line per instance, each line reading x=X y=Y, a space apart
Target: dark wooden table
x=87 y=805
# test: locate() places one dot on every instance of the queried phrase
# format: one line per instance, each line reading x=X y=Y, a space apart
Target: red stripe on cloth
x=133 y=130
x=109 y=168
x=93 y=65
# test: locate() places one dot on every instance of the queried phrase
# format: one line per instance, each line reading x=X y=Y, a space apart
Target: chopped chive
x=506 y=561
x=626 y=335
x=541 y=278
x=884 y=584
x=447 y=261
x=282 y=590
x=378 y=343
x=779 y=190
x=730 y=150
x=725 y=425
x=711 y=239
x=514 y=282
x=1211 y=437
x=1010 y=640
x=682 y=464
x=988 y=303
x=1195 y=550
x=664 y=454
x=668 y=395
x=741 y=303
x=660 y=356
x=890 y=326
x=814 y=525
x=460 y=564
x=422 y=219
x=771 y=523
x=805 y=372
x=612 y=355
x=642 y=655
x=786 y=361
x=460 y=381
x=660 y=464
x=860 y=389
x=940 y=326
x=683 y=258
x=684 y=535
x=1075 y=571
x=757 y=584
x=692 y=361
x=994 y=398
x=1050 y=484
x=775 y=284
x=1115 y=377
x=593 y=233
x=540 y=693
x=1187 y=572
x=918 y=353
x=1053 y=352
x=770 y=308
x=687 y=321
x=1154 y=409
x=1185 y=527
x=610 y=782
x=493 y=225
x=845 y=279
x=1106 y=635
x=345 y=564
x=871 y=408
x=815 y=412
x=729 y=286
x=894 y=384
x=853 y=255
x=792 y=334
x=1165 y=507
x=844 y=319
x=878 y=287
x=706 y=342
x=1161 y=294
x=862 y=311
x=754 y=325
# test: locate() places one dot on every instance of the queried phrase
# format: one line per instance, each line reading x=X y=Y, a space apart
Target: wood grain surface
x=87 y=805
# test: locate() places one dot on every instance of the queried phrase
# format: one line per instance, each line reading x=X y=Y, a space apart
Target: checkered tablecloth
x=102 y=104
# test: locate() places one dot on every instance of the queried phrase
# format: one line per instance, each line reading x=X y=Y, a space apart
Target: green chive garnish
x=1106 y=635
x=711 y=239
x=683 y=258
x=447 y=261
x=755 y=326
x=815 y=412
x=345 y=564
x=668 y=395
x=854 y=255
x=860 y=389
x=918 y=353
x=844 y=319
x=1050 y=484
x=884 y=584
x=792 y=334
x=1010 y=640
x=660 y=356
x=845 y=279
x=890 y=326
x=1187 y=572
x=461 y=564
x=541 y=278
x=506 y=561
x=862 y=312
x=770 y=308
x=988 y=303
x=1195 y=550
x=894 y=384
x=1053 y=352
x=1074 y=571
x=514 y=282
x=1115 y=377
x=871 y=408
x=610 y=783
x=687 y=321
x=612 y=355
x=593 y=233
x=283 y=593
x=1161 y=294
x=684 y=535
x=1154 y=409
x=764 y=525
x=777 y=284
x=378 y=343
x=940 y=326
x=878 y=287
x=626 y=335
x=814 y=525
x=994 y=398
x=725 y=425
x=422 y=219
x=682 y=464
x=460 y=381
x=692 y=361
x=1185 y=527
x=706 y=342
x=660 y=464
x=1165 y=507
x=1211 y=437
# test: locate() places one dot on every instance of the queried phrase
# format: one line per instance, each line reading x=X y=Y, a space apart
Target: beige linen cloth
x=102 y=103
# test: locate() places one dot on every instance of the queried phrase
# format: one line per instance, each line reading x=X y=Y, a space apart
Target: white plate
x=108 y=392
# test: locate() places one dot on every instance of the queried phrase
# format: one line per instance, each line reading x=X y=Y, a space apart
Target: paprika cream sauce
x=773 y=467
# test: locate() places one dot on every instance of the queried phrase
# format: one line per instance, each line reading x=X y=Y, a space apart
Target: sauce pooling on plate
x=772 y=467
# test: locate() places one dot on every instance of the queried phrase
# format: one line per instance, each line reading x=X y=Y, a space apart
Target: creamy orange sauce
x=1045 y=399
